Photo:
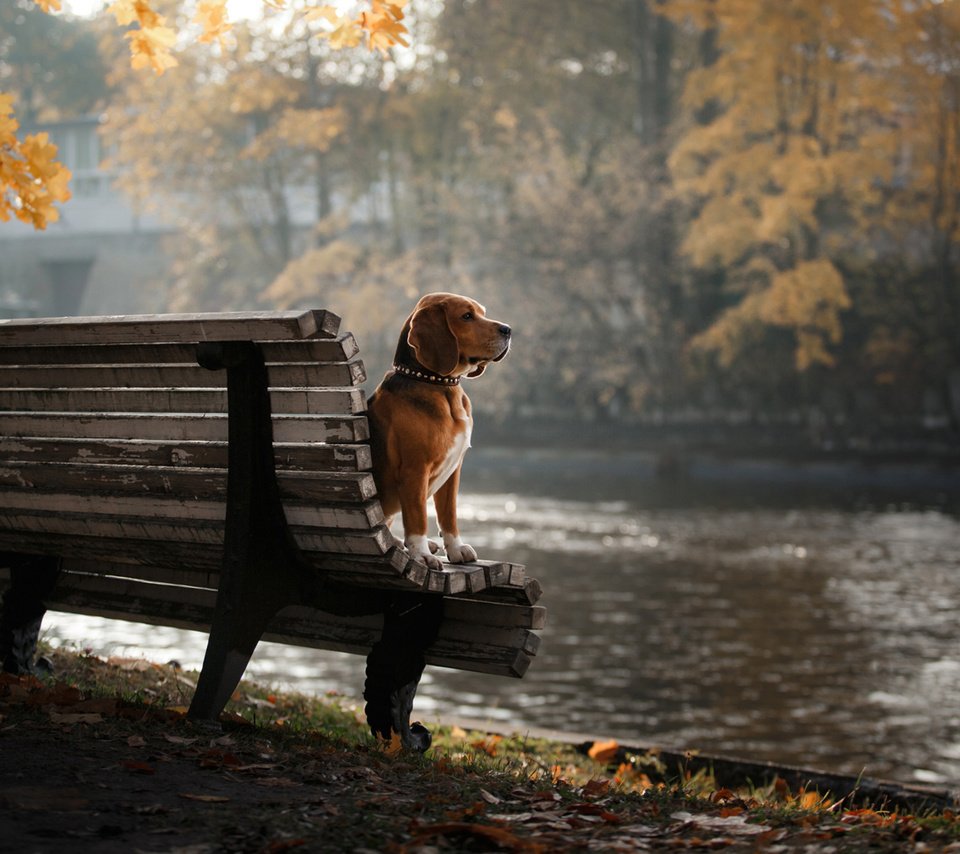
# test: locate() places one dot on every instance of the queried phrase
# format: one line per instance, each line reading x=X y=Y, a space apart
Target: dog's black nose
x=505 y=331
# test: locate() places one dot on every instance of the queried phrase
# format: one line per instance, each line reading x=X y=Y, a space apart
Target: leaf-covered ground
x=100 y=758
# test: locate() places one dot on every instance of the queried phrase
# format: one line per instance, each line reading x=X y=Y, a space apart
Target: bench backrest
x=138 y=433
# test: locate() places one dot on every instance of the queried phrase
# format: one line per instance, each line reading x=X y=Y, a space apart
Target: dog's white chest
x=454 y=457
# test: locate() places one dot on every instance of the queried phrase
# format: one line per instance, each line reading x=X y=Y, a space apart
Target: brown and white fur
x=420 y=419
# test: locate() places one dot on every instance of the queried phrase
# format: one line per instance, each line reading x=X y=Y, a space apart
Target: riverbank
x=100 y=758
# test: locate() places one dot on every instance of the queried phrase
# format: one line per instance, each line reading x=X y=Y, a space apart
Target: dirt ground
x=86 y=770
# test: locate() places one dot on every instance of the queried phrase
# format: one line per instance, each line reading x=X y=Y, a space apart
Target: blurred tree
x=49 y=64
x=819 y=146
x=51 y=70
x=234 y=150
x=151 y=44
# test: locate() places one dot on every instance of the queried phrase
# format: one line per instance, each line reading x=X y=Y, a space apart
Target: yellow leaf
x=393 y=746
x=326 y=12
x=212 y=16
x=48 y=5
x=150 y=47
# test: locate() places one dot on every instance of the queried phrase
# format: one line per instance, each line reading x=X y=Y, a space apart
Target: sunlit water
x=805 y=616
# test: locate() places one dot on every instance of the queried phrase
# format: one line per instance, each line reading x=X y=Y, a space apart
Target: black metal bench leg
x=260 y=571
x=234 y=636
x=394 y=668
x=32 y=578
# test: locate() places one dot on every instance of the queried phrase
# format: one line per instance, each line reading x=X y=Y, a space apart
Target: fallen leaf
x=136 y=741
x=458 y=732
x=603 y=751
x=206 y=799
x=391 y=747
x=488 y=745
x=596 y=788
x=489 y=798
x=178 y=739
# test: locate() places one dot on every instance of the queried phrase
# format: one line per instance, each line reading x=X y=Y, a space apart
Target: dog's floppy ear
x=433 y=341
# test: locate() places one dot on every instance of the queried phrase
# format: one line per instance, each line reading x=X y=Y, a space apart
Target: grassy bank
x=100 y=756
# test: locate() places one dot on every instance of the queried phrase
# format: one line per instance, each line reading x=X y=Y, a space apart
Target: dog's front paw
x=458 y=551
x=422 y=549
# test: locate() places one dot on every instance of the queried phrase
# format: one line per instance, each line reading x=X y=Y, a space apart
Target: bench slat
x=154 y=400
x=466 y=610
x=186 y=426
x=375 y=541
x=502 y=651
x=342 y=348
x=188 y=483
x=193 y=454
x=185 y=376
x=152 y=328
x=354 y=517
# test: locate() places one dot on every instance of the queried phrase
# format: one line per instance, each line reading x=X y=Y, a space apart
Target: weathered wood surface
x=150 y=329
x=295 y=456
x=504 y=646
x=188 y=483
x=295 y=401
x=373 y=541
x=179 y=427
x=187 y=376
x=502 y=650
x=361 y=516
x=342 y=348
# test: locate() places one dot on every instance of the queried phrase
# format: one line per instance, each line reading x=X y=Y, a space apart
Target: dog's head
x=452 y=336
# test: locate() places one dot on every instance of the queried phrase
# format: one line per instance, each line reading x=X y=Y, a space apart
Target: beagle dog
x=420 y=421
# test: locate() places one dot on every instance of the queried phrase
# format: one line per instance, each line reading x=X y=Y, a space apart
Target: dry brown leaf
x=178 y=739
x=206 y=799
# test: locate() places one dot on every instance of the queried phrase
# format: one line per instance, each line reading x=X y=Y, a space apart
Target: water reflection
x=799 y=620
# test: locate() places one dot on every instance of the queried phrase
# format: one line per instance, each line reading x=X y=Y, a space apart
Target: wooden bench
x=212 y=471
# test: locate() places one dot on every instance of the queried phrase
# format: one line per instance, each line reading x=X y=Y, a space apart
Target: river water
x=803 y=615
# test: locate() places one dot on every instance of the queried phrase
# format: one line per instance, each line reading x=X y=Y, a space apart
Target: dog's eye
x=467 y=316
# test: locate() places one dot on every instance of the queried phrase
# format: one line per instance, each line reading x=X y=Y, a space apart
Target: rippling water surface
x=804 y=615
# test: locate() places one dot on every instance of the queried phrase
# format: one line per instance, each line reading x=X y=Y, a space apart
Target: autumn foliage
x=728 y=204
x=31 y=180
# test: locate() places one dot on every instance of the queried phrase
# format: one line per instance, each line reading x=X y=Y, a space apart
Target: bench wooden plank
x=505 y=651
x=374 y=541
x=147 y=328
x=179 y=400
x=342 y=348
x=353 y=517
x=318 y=375
x=297 y=456
x=191 y=483
x=185 y=426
